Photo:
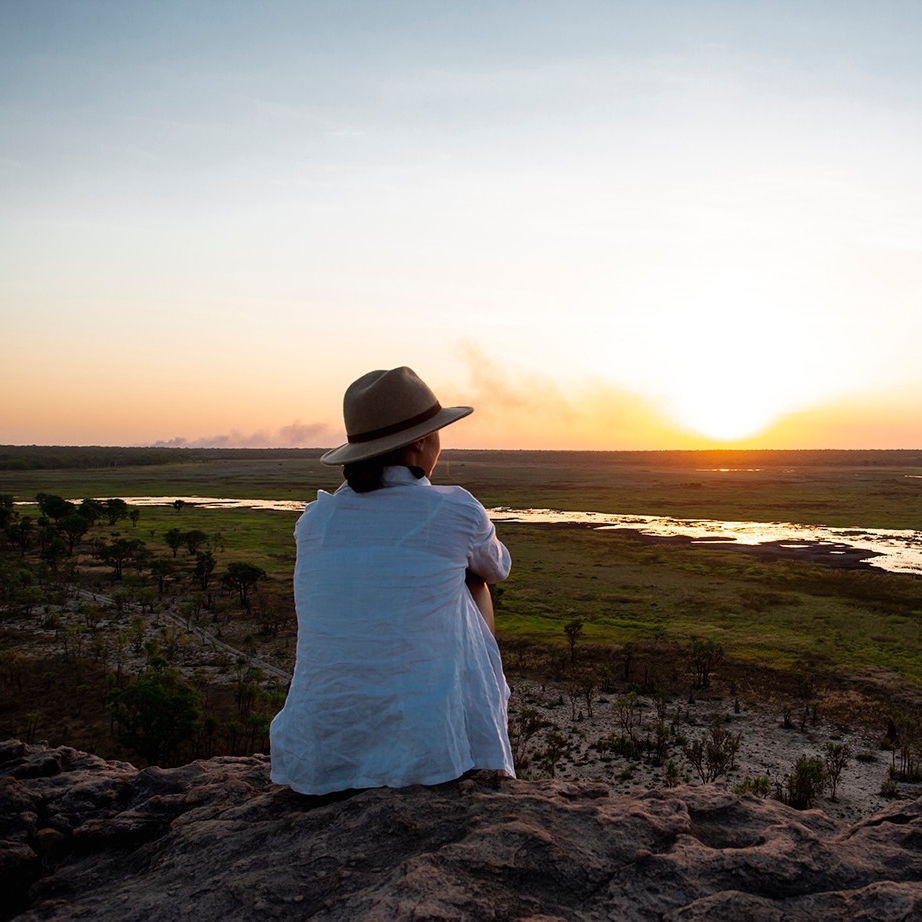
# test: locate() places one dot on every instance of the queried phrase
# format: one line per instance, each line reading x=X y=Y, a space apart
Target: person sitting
x=398 y=678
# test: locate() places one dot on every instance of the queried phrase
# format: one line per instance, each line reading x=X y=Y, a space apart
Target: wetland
x=801 y=619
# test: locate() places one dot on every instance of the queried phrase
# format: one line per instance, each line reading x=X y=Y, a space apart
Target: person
x=398 y=678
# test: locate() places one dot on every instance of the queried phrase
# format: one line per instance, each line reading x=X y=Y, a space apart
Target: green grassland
x=766 y=613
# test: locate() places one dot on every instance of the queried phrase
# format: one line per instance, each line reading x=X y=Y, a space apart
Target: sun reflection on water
x=898 y=551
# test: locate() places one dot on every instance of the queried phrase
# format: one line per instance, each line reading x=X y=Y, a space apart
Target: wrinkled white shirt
x=398 y=680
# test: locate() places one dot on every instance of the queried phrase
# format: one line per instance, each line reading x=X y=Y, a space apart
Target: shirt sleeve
x=488 y=556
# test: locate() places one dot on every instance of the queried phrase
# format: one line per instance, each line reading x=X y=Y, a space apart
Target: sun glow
x=736 y=349
x=728 y=416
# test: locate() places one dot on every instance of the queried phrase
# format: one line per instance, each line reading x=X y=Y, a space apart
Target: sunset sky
x=605 y=225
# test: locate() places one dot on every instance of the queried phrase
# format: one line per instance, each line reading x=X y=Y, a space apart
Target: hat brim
x=363 y=451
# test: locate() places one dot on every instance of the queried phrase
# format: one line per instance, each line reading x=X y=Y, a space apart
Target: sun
x=726 y=414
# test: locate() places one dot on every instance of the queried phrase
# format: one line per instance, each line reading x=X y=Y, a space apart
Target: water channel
x=898 y=551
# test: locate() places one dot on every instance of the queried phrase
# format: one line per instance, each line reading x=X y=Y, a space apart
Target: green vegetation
x=87 y=585
x=155 y=714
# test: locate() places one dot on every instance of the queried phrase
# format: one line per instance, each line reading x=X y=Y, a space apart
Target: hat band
x=396 y=427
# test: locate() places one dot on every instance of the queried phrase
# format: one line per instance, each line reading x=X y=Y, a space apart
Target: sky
x=605 y=225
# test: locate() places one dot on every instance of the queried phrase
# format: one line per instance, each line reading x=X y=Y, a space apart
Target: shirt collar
x=395 y=475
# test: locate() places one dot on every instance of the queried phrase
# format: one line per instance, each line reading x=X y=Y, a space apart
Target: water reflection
x=899 y=551
x=214 y=502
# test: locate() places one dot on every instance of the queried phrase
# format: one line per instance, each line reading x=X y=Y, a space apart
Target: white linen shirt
x=398 y=679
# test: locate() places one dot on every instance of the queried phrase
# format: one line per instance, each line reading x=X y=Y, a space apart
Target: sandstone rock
x=215 y=840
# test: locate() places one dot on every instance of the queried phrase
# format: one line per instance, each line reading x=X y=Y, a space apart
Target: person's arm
x=480 y=592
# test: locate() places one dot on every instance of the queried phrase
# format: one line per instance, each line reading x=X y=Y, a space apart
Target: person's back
x=398 y=677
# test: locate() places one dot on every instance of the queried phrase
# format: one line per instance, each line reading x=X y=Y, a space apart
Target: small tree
x=204 y=567
x=74 y=526
x=7 y=510
x=836 y=757
x=908 y=745
x=628 y=709
x=242 y=577
x=20 y=533
x=54 y=507
x=115 y=510
x=155 y=714
x=556 y=748
x=91 y=509
x=573 y=630
x=174 y=539
x=522 y=727
x=715 y=754
x=120 y=551
x=805 y=783
x=193 y=540
x=706 y=654
x=160 y=569
x=629 y=649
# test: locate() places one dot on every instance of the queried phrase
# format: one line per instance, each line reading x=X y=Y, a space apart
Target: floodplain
x=641 y=603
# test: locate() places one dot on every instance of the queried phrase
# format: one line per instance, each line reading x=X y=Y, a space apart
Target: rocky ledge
x=83 y=838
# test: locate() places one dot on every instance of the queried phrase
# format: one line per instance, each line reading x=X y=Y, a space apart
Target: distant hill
x=84 y=457
x=81 y=457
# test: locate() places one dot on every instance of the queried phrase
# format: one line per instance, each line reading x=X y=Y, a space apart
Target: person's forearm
x=480 y=592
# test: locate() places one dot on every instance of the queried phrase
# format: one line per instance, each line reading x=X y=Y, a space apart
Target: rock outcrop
x=215 y=840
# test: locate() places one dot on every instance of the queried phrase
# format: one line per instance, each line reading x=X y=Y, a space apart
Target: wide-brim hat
x=385 y=410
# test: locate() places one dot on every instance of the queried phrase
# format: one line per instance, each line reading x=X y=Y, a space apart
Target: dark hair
x=368 y=475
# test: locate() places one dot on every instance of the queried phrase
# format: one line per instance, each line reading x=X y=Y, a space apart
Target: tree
x=174 y=539
x=74 y=526
x=155 y=714
x=522 y=728
x=573 y=630
x=7 y=510
x=54 y=507
x=706 y=654
x=54 y=551
x=627 y=706
x=91 y=509
x=193 y=540
x=20 y=533
x=242 y=577
x=160 y=569
x=115 y=509
x=120 y=551
x=204 y=567
x=629 y=649
x=715 y=754
x=836 y=757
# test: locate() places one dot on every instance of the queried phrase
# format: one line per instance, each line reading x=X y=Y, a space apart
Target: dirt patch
x=767 y=749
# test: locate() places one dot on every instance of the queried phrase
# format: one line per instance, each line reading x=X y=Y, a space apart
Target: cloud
x=517 y=409
x=496 y=388
x=294 y=435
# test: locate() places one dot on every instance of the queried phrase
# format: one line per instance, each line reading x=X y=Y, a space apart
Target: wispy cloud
x=498 y=388
x=534 y=411
x=294 y=435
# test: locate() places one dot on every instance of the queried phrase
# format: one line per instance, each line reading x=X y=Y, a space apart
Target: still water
x=899 y=551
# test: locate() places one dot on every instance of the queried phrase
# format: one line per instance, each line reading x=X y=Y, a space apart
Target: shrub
x=760 y=786
x=889 y=789
x=804 y=785
x=715 y=754
x=155 y=714
x=836 y=758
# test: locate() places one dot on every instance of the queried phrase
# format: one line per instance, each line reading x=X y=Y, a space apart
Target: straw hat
x=385 y=410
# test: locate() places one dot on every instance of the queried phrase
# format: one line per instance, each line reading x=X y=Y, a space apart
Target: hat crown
x=386 y=410
x=383 y=403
